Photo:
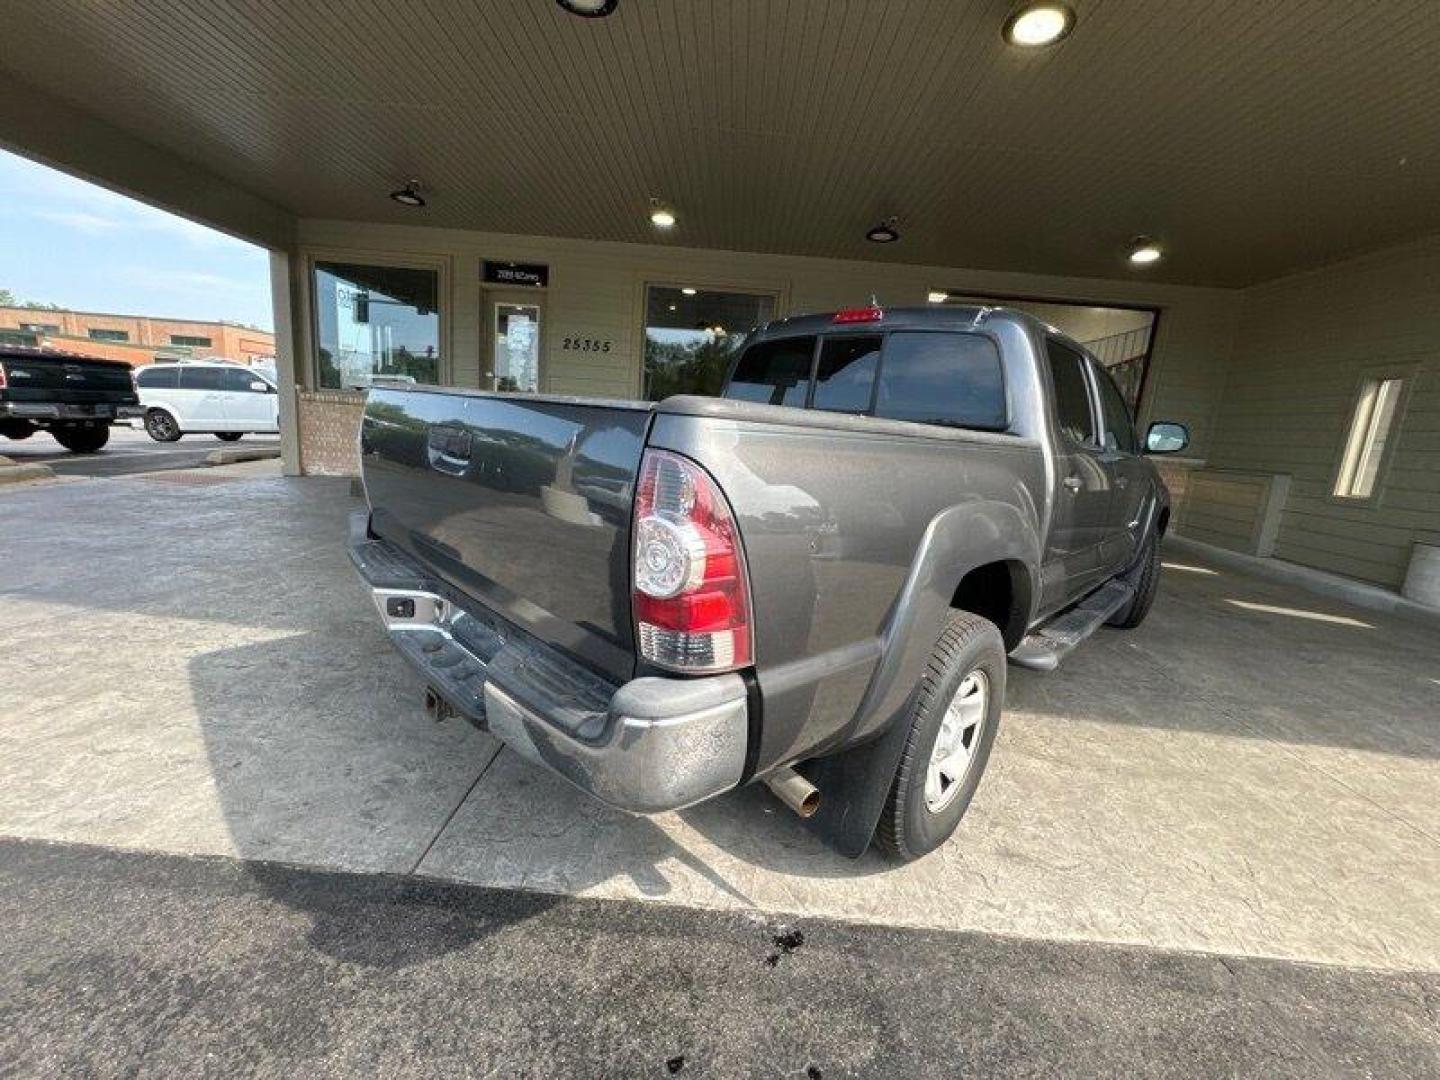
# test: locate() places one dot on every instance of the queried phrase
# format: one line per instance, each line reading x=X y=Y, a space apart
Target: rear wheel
x=1144 y=578
x=953 y=721
x=229 y=436
x=79 y=439
x=161 y=426
x=17 y=429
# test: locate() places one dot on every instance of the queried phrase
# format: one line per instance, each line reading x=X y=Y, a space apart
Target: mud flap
x=854 y=785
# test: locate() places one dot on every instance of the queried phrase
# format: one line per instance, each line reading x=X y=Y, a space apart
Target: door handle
x=1072 y=482
x=1122 y=482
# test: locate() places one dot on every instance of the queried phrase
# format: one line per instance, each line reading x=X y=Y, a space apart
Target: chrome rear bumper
x=647 y=746
x=26 y=410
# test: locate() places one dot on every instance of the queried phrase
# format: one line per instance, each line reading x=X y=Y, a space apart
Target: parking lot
x=192 y=669
x=129 y=451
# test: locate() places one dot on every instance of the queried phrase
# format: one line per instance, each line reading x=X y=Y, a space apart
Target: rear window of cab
x=948 y=378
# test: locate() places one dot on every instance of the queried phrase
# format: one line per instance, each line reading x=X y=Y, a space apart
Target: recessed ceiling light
x=938 y=297
x=688 y=290
x=589 y=9
x=1144 y=251
x=409 y=195
x=1037 y=25
x=661 y=216
x=885 y=232
x=672 y=307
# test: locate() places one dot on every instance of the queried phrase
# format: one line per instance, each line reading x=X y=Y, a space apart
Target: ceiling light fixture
x=589 y=9
x=938 y=297
x=409 y=195
x=1034 y=26
x=884 y=233
x=1144 y=251
x=661 y=216
x=688 y=290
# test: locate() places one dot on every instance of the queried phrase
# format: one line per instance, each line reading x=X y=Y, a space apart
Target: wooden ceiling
x=1253 y=137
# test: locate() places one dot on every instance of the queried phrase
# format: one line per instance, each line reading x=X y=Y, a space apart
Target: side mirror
x=1166 y=438
x=260 y=387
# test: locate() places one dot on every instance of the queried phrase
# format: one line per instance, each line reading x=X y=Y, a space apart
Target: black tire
x=229 y=436
x=161 y=426
x=908 y=827
x=17 y=430
x=1144 y=577
x=79 y=439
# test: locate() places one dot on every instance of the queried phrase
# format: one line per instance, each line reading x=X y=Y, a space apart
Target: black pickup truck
x=814 y=582
x=74 y=397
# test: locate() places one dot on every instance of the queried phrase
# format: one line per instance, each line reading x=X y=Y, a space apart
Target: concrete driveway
x=190 y=667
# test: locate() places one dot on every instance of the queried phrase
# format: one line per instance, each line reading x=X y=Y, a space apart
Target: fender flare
x=855 y=782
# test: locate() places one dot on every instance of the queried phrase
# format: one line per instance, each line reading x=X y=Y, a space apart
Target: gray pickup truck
x=812 y=581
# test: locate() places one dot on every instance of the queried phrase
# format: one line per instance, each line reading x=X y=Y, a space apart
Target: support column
x=288 y=356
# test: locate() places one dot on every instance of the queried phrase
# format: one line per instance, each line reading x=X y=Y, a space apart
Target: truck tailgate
x=68 y=379
x=521 y=502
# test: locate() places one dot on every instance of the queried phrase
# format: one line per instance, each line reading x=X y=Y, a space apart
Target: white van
x=225 y=400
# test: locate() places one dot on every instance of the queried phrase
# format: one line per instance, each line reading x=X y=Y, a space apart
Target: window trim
x=1096 y=373
x=440 y=265
x=1377 y=376
x=1093 y=445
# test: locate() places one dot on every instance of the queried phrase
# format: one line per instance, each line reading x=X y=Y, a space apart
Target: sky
x=68 y=242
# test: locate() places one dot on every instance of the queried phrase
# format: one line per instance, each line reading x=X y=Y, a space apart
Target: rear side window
x=1118 y=434
x=200 y=378
x=942 y=378
x=1072 y=393
x=158 y=378
x=774 y=372
x=845 y=375
x=237 y=381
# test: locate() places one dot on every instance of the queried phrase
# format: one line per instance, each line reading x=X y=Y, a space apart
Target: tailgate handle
x=449 y=448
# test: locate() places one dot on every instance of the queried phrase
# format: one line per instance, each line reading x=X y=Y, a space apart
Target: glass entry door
x=513 y=356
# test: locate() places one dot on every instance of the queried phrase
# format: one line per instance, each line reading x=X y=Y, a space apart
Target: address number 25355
x=586 y=344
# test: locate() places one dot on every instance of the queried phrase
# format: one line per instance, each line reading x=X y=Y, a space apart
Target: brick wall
x=329 y=422
x=147 y=337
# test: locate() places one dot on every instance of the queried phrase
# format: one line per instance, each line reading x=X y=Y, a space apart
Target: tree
x=9 y=299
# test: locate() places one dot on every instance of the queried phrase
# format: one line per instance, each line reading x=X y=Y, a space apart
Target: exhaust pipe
x=794 y=791
x=436 y=707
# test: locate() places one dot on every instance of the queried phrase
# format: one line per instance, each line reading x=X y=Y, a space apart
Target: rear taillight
x=690 y=592
x=859 y=315
x=2 y=376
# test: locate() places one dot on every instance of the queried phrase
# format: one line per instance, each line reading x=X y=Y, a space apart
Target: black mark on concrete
x=786 y=943
x=675 y=1064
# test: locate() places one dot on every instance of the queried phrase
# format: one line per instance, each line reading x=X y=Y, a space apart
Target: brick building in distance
x=136 y=339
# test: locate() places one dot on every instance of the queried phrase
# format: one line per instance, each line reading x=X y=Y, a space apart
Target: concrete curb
x=1359 y=593
x=20 y=474
x=234 y=457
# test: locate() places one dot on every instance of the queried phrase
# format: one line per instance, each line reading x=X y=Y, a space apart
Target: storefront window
x=691 y=334
x=376 y=325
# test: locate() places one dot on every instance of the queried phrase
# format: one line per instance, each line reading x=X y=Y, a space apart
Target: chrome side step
x=1044 y=648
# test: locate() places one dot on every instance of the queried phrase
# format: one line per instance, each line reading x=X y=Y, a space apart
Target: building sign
x=509 y=273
